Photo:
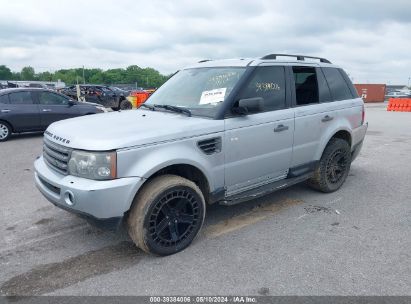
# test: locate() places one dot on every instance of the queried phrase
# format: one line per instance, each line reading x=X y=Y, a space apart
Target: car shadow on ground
x=122 y=254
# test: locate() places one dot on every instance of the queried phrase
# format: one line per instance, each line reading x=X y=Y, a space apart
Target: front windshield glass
x=201 y=90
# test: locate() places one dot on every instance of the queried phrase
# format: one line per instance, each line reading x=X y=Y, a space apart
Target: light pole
x=84 y=79
x=409 y=81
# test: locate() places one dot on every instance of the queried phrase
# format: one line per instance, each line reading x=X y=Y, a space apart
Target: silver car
x=223 y=131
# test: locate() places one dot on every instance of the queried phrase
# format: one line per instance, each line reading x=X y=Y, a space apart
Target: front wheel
x=334 y=166
x=166 y=215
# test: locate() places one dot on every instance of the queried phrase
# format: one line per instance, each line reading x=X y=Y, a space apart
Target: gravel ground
x=355 y=241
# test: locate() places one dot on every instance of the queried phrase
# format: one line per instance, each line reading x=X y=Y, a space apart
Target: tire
x=5 y=131
x=333 y=168
x=125 y=105
x=166 y=215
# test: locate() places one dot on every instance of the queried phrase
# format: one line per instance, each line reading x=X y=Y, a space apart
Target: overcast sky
x=369 y=39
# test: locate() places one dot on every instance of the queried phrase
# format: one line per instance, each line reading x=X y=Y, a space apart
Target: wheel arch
x=7 y=122
x=188 y=171
x=342 y=133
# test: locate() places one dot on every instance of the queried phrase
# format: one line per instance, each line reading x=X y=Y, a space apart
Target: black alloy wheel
x=333 y=167
x=166 y=214
x=174 y=217
x=336 y=166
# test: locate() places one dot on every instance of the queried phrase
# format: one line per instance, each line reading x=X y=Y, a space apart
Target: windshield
x=201 y=90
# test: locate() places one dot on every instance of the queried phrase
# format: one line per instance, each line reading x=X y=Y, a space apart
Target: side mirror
x=71 y=102
x=245 y=106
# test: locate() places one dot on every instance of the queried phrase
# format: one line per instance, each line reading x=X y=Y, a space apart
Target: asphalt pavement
x=356 y=241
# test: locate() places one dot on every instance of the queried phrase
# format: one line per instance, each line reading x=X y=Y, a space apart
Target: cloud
x=367 y=38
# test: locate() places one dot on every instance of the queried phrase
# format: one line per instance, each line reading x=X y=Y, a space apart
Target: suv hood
x=116 y=130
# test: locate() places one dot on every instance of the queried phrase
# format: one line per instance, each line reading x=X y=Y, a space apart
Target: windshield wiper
x=152 y=108
x=174 y=109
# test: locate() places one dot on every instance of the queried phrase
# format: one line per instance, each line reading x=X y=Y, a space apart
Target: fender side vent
x=211 y=145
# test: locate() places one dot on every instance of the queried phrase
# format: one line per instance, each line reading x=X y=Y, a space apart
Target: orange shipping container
x=371 y=92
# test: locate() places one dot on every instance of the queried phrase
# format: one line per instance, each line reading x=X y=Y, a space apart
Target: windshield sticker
x=220 y=80
x=212 y=96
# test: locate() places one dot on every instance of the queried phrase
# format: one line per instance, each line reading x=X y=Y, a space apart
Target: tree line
x=143 y=77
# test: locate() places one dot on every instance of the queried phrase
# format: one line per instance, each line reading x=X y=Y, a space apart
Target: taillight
x=363 y=115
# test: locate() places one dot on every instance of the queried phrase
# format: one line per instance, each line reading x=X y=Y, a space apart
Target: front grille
x=56 y=156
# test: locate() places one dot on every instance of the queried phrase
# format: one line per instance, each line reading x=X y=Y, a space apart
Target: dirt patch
x=43 y=221
x=49 y=277
x=257 y=214
x=315 y=209
x=264 y=291
x=44 y=208
x=400 y=140
x=374 y=133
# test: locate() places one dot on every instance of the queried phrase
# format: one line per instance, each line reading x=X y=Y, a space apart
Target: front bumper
x=96 y=200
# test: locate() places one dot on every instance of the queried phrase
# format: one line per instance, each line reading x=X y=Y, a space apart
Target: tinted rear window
x=20 y=98
x=337 y=84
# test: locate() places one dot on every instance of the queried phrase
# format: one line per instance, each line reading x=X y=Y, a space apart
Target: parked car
x=102 y=95
x=30 y=109
x=216 y=132
x=120 y=91
x=398 y=94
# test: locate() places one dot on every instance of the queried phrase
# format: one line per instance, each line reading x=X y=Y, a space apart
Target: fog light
x=69 y=198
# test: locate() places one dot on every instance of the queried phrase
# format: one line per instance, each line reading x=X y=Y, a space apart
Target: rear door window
x=337 y=84
x=4 y=99
x=48 y=98
x=306 y=85
x=20 y=98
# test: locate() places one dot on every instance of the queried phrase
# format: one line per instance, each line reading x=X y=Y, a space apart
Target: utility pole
x=409 y=82
x=84 y=79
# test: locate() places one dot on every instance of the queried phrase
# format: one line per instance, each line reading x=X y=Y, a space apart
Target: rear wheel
x=334 y=166
x=166 y=215
x=5 y=131
x=125 y=105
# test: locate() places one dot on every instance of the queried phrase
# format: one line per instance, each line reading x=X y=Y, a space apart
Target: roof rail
x=299 y=57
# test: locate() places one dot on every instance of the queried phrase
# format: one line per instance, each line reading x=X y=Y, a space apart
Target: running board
x=264 y=190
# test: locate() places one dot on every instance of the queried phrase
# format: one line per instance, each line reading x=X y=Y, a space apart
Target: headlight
x=93 y=165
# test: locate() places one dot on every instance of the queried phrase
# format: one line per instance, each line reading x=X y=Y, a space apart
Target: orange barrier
x=137 y=98
x=399 y=104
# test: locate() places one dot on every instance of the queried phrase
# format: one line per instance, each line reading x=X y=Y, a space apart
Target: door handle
x=5 y=111
x=327 y=118
x=46 y=110
x=280 y=128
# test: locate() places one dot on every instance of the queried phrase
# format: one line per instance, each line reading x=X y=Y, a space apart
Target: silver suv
x=221 y=131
